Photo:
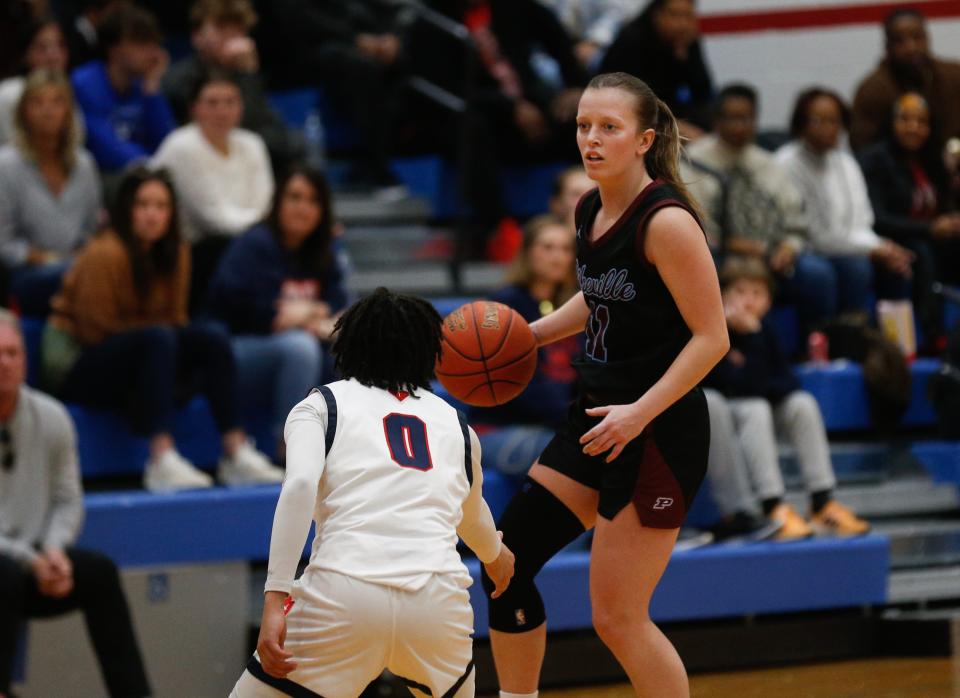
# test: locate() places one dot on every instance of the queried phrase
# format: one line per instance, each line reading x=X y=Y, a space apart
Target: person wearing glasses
x=41 y=512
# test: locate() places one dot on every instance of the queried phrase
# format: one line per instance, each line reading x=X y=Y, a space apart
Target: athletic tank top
x=635 y=330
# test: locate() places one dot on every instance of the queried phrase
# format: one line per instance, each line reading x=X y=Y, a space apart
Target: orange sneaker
x=837 y=520
x=793 y=526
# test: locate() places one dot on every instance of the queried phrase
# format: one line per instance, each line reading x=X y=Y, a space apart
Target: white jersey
x=391 y=473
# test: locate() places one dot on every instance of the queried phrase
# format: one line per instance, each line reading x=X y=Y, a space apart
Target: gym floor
x=875 y=678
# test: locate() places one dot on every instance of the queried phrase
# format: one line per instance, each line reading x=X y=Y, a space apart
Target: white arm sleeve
x=477 y=528
x=306 y=454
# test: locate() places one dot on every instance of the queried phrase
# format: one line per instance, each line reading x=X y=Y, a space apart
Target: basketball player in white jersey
x=391 y=475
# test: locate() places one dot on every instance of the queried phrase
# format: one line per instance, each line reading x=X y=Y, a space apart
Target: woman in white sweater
x=838 y=207
x=222 y=173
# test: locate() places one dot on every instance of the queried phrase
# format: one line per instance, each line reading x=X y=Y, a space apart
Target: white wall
x=782 y=63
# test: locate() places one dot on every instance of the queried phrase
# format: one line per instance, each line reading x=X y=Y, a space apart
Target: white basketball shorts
x=343 y=632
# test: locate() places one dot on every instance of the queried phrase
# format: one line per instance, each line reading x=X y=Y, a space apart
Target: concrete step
x=919 y=543
x=924 y=585
x=374 y=207
x=906 y=496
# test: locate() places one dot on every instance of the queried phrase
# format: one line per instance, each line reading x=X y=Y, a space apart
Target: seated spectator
x=42 y=574
x=761 y=209
x=593 y=24
x=220 y=37
x=541 y=279
x=907 y=67
x=44 y=49
x=568 y=188
x=354 y=51
x=126 y=114
x=279 y=288
x=49 y=192
x=839 y=214
x=758 y=400
x=662 y=48
x=83 y=40
x=517 y=113
x=222 y=173
x=908 y=188
x=118 y=338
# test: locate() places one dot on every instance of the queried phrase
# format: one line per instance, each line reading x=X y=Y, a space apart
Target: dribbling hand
x=500 y=570
x=275 y=660
x=620 y=425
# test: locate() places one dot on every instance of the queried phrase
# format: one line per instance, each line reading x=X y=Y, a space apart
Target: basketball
x=489 y=354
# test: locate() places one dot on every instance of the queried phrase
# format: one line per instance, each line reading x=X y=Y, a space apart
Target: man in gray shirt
x=41 y=511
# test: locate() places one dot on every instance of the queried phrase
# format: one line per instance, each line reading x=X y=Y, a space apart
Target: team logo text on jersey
x=611 y=285
x=663 y=503
x=491 y=317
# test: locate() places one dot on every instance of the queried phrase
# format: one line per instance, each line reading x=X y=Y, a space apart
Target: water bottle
x=818 y=348
x=314 y=139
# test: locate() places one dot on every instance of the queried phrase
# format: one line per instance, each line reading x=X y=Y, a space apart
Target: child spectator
x=838 y=207
x=279 y=288
x=126 y=114
x=765 y=402
x=49 y=192
x=222 y=173
x=540 y=280
x=220 y=35
x=44 y=48
x=119 y=338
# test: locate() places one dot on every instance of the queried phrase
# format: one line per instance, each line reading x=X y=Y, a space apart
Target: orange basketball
x=489 y=354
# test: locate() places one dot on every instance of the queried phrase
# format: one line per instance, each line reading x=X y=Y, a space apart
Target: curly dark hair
x=801 y=108
x=388 y=340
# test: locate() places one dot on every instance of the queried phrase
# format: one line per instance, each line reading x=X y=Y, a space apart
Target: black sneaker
x=746 y=527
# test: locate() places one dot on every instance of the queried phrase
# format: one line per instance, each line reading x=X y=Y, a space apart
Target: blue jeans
x=512 y=450
x=812 y=289
x=31 y=288
x=279 y=368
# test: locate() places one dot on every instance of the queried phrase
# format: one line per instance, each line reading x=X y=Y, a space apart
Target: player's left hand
x=621 y=424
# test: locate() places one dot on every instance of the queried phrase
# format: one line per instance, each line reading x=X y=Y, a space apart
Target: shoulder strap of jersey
x=331 y=401
x=584 y=208
x=467 y=447
x=661 y=196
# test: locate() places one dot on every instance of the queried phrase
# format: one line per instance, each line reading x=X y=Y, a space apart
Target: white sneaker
x=248 y=467
x=170 y=472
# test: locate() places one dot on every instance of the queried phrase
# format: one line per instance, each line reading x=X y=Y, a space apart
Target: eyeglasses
x=6 y=445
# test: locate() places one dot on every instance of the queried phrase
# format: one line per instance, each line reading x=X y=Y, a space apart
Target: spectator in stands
x=840 y=217
x=118 y=338
x=49 y=192
x=907 y=67
x=568 y=188
x=593 y=24
x=82 y=36
x=540 y=280
x=44 y=48
x=662 y=48
x=354 y=51
x=126 y=114
x=42 y=574
x=908 y=187
x=763 y=401
x=220 y=36
x=521 y=111
x=279 y=288
x=761 y=209
x=222 y=173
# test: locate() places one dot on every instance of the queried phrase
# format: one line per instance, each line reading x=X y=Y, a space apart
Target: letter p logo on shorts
x=662 y=503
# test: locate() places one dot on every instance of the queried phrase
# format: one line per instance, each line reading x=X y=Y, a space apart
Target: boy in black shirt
x=760 y=400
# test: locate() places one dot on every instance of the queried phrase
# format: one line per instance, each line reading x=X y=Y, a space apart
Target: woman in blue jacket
x=279 y=288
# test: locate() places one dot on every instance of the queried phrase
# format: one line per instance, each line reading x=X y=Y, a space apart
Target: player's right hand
x=275 y=660
x=500 y=570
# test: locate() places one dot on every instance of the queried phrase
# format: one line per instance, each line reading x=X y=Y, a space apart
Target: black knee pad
x=536 y=525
